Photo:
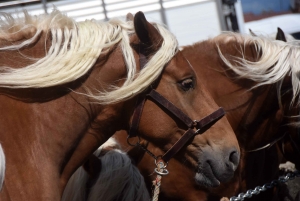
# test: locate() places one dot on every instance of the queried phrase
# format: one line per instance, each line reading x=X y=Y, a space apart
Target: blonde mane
x=276 y=60
x=74 y=50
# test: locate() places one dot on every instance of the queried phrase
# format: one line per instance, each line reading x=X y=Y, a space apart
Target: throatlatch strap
x=140 y=101
x=136 y=116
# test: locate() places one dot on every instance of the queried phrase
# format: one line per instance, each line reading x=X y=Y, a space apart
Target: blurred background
x=189 y=20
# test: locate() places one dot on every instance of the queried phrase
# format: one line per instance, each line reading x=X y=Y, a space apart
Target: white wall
x=189 y=20
x=195 y=22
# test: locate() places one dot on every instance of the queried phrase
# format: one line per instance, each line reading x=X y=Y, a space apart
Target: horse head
x=214 y=158
x=272 y=69
x=257 y=113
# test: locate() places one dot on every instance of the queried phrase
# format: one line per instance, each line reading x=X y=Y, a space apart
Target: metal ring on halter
x=138 y=142
x=160 y=158
x=163 y=173
x=195 y=122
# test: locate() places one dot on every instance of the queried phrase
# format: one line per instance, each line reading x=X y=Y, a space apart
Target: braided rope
x=157 y=182
x=160 y=169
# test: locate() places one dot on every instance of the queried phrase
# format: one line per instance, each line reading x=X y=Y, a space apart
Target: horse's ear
x=146 y=32
x=129 y=17
x=280 y=35
x=252 y=33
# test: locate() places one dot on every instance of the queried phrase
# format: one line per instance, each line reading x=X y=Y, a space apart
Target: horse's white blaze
x=74 y=50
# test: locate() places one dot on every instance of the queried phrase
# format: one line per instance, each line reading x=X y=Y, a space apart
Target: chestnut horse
x=252 y=108
x=67 y=86
x=261 y=114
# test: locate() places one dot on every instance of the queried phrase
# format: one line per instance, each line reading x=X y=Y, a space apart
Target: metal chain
x=272 y=184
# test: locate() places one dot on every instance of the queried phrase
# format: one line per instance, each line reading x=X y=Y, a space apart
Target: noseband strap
x=194 y=127
x=201 y=126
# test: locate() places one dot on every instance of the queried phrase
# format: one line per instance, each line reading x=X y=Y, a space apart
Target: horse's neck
x=44 y=138
x=104 y=120
x=24 y=56
x=36 y=138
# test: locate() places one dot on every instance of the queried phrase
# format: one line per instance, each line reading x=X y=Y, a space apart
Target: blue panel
x=260 y=6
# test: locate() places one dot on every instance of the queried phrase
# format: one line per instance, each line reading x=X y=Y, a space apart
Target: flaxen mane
x=74 y=50
x=276 y=60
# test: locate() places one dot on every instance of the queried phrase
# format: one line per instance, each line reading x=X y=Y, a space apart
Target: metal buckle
x=161 y=167
x=159 y=159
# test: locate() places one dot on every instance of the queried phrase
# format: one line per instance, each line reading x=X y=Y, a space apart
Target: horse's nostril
x=234 y=158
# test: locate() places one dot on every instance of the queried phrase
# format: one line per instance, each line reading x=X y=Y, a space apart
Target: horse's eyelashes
x=187 y=84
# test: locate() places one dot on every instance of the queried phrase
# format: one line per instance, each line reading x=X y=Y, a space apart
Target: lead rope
x=160 y=171
x=272 y=184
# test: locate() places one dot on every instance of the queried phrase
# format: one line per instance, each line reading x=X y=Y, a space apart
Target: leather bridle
x=194 y=127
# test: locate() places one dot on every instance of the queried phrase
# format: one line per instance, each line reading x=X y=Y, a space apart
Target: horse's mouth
x=206 y=177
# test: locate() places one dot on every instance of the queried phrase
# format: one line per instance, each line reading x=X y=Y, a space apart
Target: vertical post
x=44 y=2
x=163 y=13
x=221 y=15
x=104 y=10
x=240 y=16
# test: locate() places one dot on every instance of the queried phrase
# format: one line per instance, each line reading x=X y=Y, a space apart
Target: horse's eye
x=187 y=84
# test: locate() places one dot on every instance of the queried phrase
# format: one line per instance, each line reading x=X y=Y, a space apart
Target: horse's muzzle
x=216 y=167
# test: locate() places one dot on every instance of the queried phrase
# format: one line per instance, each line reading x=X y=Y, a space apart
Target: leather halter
x=194 y=127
